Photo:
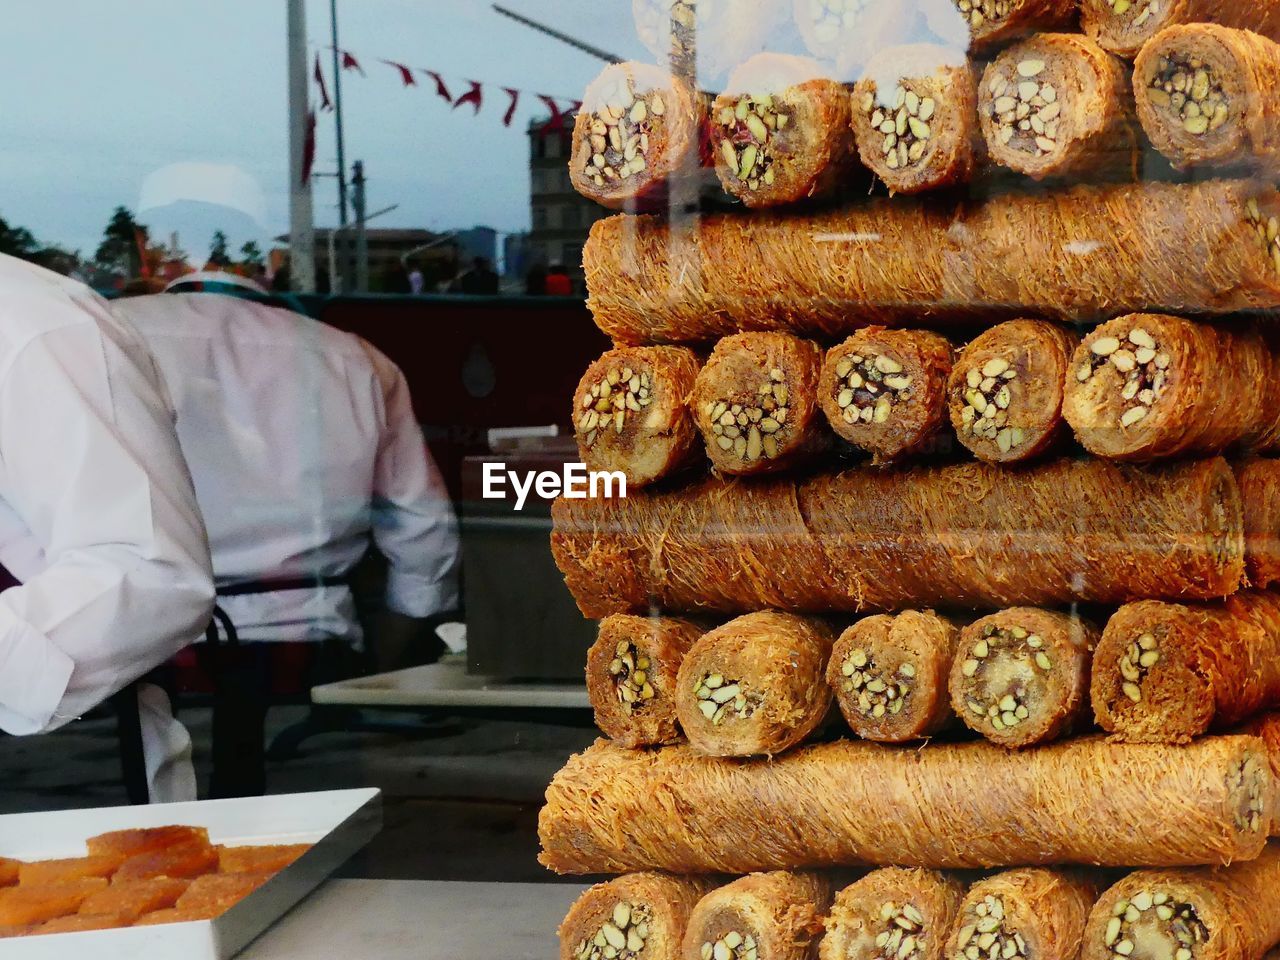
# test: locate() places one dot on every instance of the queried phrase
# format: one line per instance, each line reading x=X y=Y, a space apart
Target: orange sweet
x=133 y=898
x=265 y=859
x=9 y=871
x=21 y=906
x=80 y=921
x=188 y=860
x=131 y=843
x=221 y=891
x=44 y=872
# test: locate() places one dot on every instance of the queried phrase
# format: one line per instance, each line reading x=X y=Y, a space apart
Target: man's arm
x=413 y=521
x=90 y=463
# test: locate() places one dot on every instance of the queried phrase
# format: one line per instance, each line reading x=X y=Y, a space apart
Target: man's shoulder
x=239 y=325
x=35 y=302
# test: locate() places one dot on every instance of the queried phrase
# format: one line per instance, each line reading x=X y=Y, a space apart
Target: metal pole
x=572 y=41
x=337 y=267
x=340 y=279
x=337 y=115
x=302 y=237
x=358 y=200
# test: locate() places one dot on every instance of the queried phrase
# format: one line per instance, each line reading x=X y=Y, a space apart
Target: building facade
x=559 y=216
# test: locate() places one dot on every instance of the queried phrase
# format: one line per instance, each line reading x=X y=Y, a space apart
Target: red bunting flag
x=514 y=94
x=325 y=102
x=406 y=75
x=309 y=148
x=349 y=62
x=140 y=241
x=474 y=96
x=442 y=91
x=557 y=115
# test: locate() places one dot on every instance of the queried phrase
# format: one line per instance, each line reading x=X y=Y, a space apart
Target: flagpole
x=338 y=282
x=337 y=115
x=302 y=238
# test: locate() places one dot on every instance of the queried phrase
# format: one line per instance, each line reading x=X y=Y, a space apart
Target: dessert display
x=1007 y=605
x=146 y=876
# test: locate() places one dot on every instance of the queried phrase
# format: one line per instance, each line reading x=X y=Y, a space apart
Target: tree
x=21 y=243
x=251 y=254
x=123 y=241
x=57 y=259
x=17 y=241
x=218 y=253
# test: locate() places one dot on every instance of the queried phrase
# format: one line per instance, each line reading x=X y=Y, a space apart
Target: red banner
x=472 y=97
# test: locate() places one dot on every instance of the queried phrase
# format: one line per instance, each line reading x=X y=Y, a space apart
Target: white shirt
x=97 y=513
x=303 y=445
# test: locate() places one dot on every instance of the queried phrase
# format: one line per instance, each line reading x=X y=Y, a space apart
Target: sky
x=100 y=95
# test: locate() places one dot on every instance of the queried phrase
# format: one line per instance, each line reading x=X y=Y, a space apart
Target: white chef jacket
x=98 y=517
x=303 y=445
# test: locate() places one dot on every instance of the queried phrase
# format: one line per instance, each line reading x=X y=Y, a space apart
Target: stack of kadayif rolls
x=940 y=597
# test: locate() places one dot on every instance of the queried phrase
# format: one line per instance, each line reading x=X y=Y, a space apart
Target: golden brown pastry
x=1202 y=913
x=1021 y=676
x=1259 y=481
x=870 y=539
x=776 y=915
x=1206 y=96
x=1096 y=252
x=915 y=118
x=1006 y=390
x=1084 y=801
x=892 y=913
x=991 y=24
x=1167 y=672
x=1146 y=386
x=638 y=127
x=631 y=676
x=1125 y=26
x=780 y=132
x=1025 y=913
x=885 y=390
x=756 y=403
x=890 y=674
x=631 y=413
x=1058 y=105
x=754 y=685
x=641 y=916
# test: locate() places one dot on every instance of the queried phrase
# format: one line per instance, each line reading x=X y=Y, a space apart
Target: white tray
x=337 y=822
x=447 y=684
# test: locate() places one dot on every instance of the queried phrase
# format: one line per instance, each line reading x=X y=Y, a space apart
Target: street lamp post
x=302 y=238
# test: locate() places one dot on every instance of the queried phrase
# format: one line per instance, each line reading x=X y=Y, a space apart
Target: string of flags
x=473 y=96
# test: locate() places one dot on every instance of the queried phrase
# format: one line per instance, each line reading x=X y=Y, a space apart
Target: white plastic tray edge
x=338 y=823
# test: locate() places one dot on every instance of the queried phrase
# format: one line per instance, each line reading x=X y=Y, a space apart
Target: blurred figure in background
x=535 y=281
x=558 y=282
x=480 y=280
x=305 y=452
